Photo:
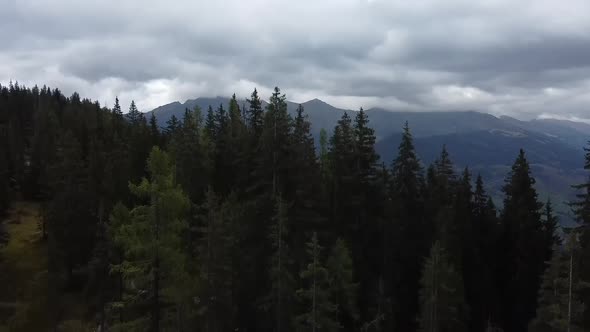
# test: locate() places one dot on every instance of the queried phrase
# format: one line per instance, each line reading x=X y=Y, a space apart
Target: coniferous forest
x=233 y=220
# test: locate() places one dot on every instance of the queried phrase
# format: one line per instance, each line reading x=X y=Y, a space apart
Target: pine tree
x=320 y=311
x=441 y=295
x=525 y=246
x=154 y=261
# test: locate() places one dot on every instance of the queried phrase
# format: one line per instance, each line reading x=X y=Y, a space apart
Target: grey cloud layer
x=528 y=58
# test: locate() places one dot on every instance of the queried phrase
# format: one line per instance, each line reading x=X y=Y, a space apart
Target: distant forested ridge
x=483 y=142
x=237 y=217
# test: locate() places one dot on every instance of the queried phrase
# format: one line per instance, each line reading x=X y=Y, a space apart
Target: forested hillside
x=483 y=142
x=231 y=219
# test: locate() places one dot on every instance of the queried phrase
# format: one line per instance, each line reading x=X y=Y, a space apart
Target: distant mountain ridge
x=486 y=143
x=423 y=124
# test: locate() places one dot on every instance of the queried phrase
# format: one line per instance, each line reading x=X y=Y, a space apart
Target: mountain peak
x=316 y=101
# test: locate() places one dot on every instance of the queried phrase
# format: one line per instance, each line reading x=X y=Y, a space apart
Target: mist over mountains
x=485 y=143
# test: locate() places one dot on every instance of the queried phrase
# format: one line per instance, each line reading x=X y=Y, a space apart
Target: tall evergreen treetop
x=365 y=146
x=444 y=167
x=581 y=205
x=117 y=108
x=134 y=115
x=255 y=114
x=525 y=243
x=519 y=189
x=320 y=311
x=441 y=295
x=407 y=176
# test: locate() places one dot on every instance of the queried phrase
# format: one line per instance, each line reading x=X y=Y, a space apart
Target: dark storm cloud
x=526 y=59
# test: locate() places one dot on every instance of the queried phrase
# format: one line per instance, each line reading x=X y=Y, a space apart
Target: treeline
x=232 y=220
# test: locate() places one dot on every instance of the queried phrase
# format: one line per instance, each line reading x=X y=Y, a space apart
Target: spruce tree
x=369 y=213
x=343 y=169
x=561 y=306
x=550 y=228
x=581 y=209
x=215 y=250
x=407 y=234
x=524 y=247
x=70 y=214
x=255 y=118
x=305 y=192
x=190 y=158
x=280 y=300
x=210 y=124
x=481 y=286
x=134 y=115
x=343 y=288
x=275 y=145
x=442 y=305
x=118 y=119
x=238 y=143
x=323 y=155
x=172 y=128
x=154 y=259
x=320 y=312
x=155 y=131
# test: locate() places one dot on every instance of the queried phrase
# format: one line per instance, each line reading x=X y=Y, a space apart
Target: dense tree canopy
x=232 y=219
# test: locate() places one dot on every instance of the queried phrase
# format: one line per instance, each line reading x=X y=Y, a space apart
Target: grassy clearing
x=23 y=266
x=25 y=254
x=26 y=302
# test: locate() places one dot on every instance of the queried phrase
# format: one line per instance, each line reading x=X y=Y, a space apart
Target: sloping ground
x=23 y=262
x=27 y=303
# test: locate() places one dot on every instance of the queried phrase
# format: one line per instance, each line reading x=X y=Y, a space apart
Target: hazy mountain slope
x=555 y=164
x=485 y=143
x=165 y=112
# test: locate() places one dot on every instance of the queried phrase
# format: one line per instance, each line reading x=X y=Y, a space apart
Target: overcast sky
x=526 y=58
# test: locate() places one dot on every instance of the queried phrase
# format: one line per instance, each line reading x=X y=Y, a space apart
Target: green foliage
x=525 y=241
x=215 y=250
x=343 y=288
x=557 y=310
x=408 y=235
x=226 y=256
x=442 y=306
x=281 y=298
x=320 y=311
x=154 y=262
